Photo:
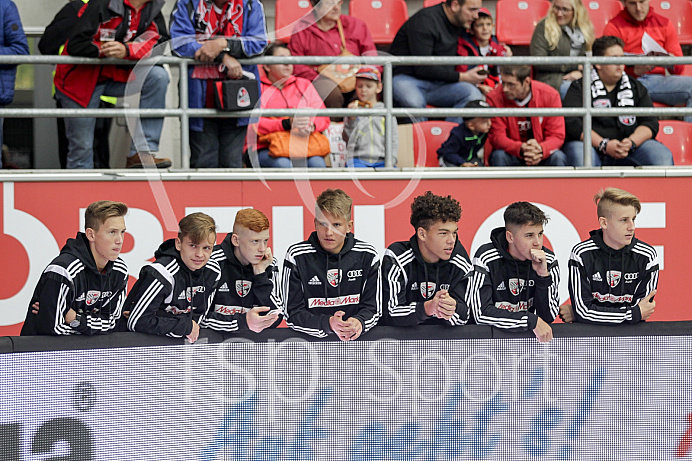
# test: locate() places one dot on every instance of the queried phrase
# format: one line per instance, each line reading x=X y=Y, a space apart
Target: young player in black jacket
x=178 y=287
x=332 y=280
x=82 y=290
x=248 y=296
x=425 y=278
x=516 y=278
x=612 y=275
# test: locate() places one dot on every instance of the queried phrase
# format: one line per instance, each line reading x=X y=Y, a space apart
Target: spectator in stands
x=435 y=31
x=249 y=293
x=329 y=33
x=332 y=279
x=217 y=33
x=527 y=141
x=630 y=25
x=175 y=290
x=466 y=140
x=365 y=135
x=425 y=279
x=565 y=31
x=52 y=42
x=113 y=29
x=482 y=42
x=515 y=278
x=612 y=275
x=12 y=42
x=621 y=140
x=83 y=289
x=285 y=142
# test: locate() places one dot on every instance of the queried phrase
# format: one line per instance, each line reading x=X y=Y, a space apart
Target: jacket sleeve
x=267 y=289
x=499 y=130
x=546 y=299
x=587 y=311
x=451 y=149
x=144 y=301
x=254 y=36
x=552 y=128
x=400 y=312
x=574 y=126
x=459 y=288
x=483 y=305
x=298 y=316
x=82 y=41
x=14 y=39
x=370 y=306
x=539 y=47
x=645 y=101
x=58 y=31
x=422 y=43
x=183 y=39
x=55 y=295
x=672 y=45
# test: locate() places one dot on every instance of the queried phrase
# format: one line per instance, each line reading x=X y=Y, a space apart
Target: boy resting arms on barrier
x=612 y=275
x=516 y=278
x=178 y=287
x=332 y=280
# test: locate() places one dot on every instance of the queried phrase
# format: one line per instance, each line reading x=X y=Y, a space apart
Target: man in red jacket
x=122 y=29
x=527 y=141
x=630 y=25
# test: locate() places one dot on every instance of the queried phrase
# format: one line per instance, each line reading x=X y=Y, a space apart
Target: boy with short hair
x=425 y=279
x=516 y=278
x=248 y=296
x=466 y=140
x=332 y=280
x=612 y=275
x=482 y=42
x=365 y=135
x=178 y=287
x=82 y=290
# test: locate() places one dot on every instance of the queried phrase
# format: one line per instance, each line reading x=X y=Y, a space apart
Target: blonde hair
x=198 y=226
x=580 y=21
x=336 y=202
x=605 y=200
x=98 y=212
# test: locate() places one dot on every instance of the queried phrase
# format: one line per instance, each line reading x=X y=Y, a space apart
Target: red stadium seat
x=677 y=136
x=516 y=20
x=427 y=3
x=680 y=13
x=288 y=12
x=602 y=11
x=427 y=138
x=383 y=17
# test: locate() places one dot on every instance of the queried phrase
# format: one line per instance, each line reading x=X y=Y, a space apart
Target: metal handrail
x=387 y=62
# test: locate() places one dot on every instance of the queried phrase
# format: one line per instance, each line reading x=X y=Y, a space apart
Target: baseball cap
x=369 y=72
x=477 y=104
x=484 y=12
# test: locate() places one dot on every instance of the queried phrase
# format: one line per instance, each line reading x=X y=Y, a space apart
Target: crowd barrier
x=389 y=111
x=420 y=394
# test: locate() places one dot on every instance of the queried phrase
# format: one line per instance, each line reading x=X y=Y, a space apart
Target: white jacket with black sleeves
x=317 y=284
x=607 y=285
x=507 y=293
x=408 y=282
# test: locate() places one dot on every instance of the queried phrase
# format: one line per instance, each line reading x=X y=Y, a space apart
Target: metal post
x=586 y=90
x=184 y=118
x=389 y=103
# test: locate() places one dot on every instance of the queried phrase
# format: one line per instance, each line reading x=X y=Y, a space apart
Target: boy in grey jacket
x=364 y=136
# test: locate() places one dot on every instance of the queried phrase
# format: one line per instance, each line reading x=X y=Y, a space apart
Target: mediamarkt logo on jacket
x=317 y=284
x=168 y=296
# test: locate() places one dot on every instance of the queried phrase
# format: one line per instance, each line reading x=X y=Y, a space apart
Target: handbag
x=280 y=145
x=344 y=75
x=232 y=95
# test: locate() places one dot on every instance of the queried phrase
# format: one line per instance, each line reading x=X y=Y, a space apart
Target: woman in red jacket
x=283 y=90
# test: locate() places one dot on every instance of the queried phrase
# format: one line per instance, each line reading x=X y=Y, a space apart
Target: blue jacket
x=253 y=41
x=12 y=41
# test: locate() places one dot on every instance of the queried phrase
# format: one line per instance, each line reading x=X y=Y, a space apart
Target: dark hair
x=198 y=226
x=428 y=209
x=269 y=51
x=601 y=44
x=521 y=72
x=522 y=213
x=460 y=2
